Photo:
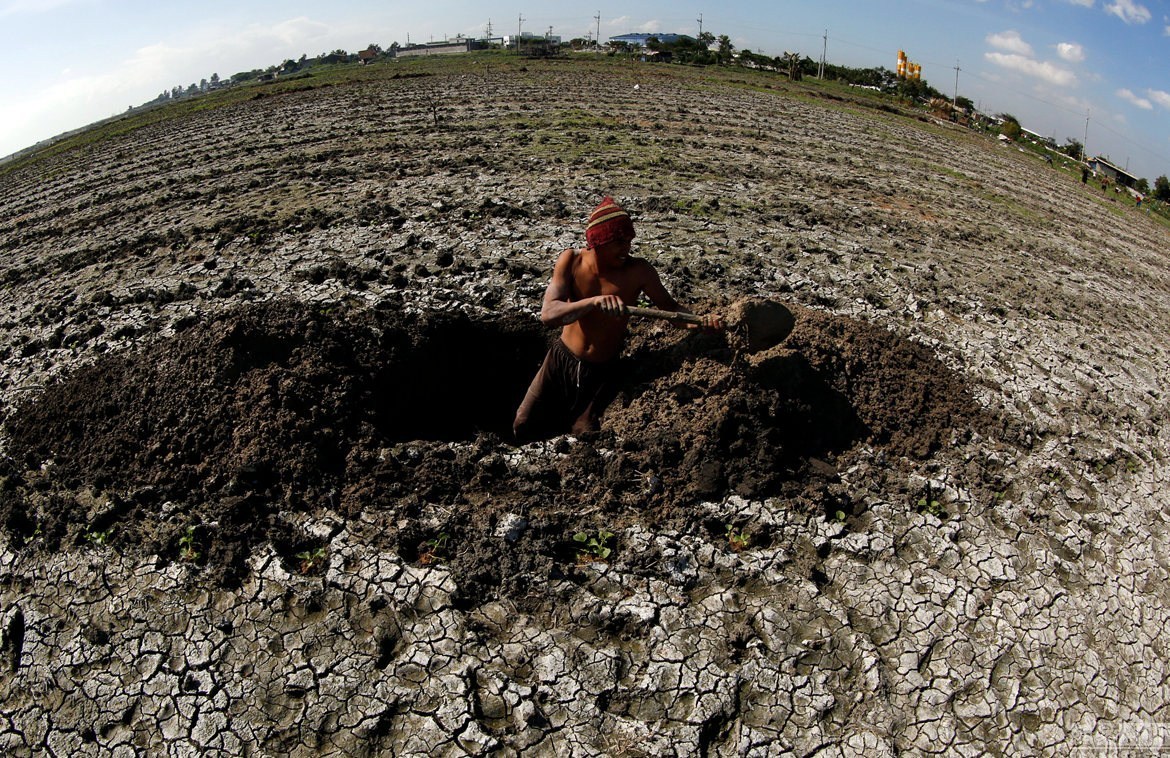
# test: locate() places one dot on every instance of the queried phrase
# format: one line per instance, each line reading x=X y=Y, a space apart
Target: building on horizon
x=640 y=39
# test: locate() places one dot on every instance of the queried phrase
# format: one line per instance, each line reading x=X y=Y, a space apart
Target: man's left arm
x=653 y=288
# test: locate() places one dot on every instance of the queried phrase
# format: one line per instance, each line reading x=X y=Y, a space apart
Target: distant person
x=1084 y=176
x=587 y=299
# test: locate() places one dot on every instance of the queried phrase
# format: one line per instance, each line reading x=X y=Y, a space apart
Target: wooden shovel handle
x=689 y=318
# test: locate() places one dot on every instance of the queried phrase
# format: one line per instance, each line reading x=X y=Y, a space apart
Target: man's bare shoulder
x=640 y=267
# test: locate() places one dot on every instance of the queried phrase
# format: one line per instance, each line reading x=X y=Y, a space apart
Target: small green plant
x=98 y=539
x=595 y=547
x=187 y=548
x=311 y=561
x=739 y=540
x=928 y=504
x=434 y=549
x=839 y=517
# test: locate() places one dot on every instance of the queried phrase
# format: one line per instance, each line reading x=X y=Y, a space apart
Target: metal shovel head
x=766 y=323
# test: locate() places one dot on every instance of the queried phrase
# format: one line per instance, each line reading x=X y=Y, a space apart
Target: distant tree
x=337 y=56
x=214 y=79
x=374 y=46
x=755 y=60
x=176 y=92
x=726 y=49
x=1011 y=126
x=916 y=89
x=964 y=104
x=1072 y=148
x=706 y=39
x=1143 y=186
x=1162 y=189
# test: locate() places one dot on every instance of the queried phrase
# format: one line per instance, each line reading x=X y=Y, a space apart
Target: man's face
x=615 y=252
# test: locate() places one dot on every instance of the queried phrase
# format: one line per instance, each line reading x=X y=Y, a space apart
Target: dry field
x=262 y=350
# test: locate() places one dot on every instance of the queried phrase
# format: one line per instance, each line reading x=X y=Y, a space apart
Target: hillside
x=262 y=349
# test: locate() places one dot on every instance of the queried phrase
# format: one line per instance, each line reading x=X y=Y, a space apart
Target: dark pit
x=208 y=439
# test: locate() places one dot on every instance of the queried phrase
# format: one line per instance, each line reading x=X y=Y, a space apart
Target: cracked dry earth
x=259 y=364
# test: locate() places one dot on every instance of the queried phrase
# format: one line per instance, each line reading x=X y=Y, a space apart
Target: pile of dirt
x=199 y=446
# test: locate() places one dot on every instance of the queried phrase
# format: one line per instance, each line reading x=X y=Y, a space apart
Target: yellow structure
x=907 y=69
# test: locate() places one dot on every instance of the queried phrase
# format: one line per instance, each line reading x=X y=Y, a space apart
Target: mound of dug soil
x=201 y=445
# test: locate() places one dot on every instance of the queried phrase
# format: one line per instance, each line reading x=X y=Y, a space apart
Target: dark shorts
x=567 y=395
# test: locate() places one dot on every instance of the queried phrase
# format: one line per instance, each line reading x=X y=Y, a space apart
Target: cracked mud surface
x=259 y=363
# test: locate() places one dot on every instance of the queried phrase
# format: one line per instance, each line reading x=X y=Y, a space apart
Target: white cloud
x=18 y=7
x=79 y=97
x=1135 y=100
x=1129 y=11
x=1011 y=42
x=1069 y=101
x=1071 y=52
x=1082 y=3
x=1160 y=97
x=1043 y=70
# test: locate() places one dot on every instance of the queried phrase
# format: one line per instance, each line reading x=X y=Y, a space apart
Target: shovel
x=766 y=323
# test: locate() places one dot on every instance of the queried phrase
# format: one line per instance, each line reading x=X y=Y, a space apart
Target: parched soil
x=261 y=354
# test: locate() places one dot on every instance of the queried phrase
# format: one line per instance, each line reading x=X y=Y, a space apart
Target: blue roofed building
x=640 y=39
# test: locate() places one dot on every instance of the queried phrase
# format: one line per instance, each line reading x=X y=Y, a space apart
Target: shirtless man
x=587 y=298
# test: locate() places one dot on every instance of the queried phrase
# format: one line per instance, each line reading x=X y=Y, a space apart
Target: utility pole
x=700 y=20
x=488 y=31
x=519 y=26
x=1088 y=113
x=824 y=52
x=597 y=18
x=956 y=101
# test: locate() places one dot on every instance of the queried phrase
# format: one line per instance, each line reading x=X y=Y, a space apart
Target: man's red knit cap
x=608 y=222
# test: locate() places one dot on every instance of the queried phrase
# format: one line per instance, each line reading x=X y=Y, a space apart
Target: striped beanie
x=608 y=222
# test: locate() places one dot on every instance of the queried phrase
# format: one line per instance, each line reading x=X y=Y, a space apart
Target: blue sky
x=1063 y=67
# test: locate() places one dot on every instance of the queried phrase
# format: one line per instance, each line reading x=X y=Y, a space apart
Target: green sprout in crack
x=187 y=551
x=928 y=504
x=28 y=539
x=312 y=560
x=593 y=547
x=434 y=549
x=739 y=540
x=98 y=539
